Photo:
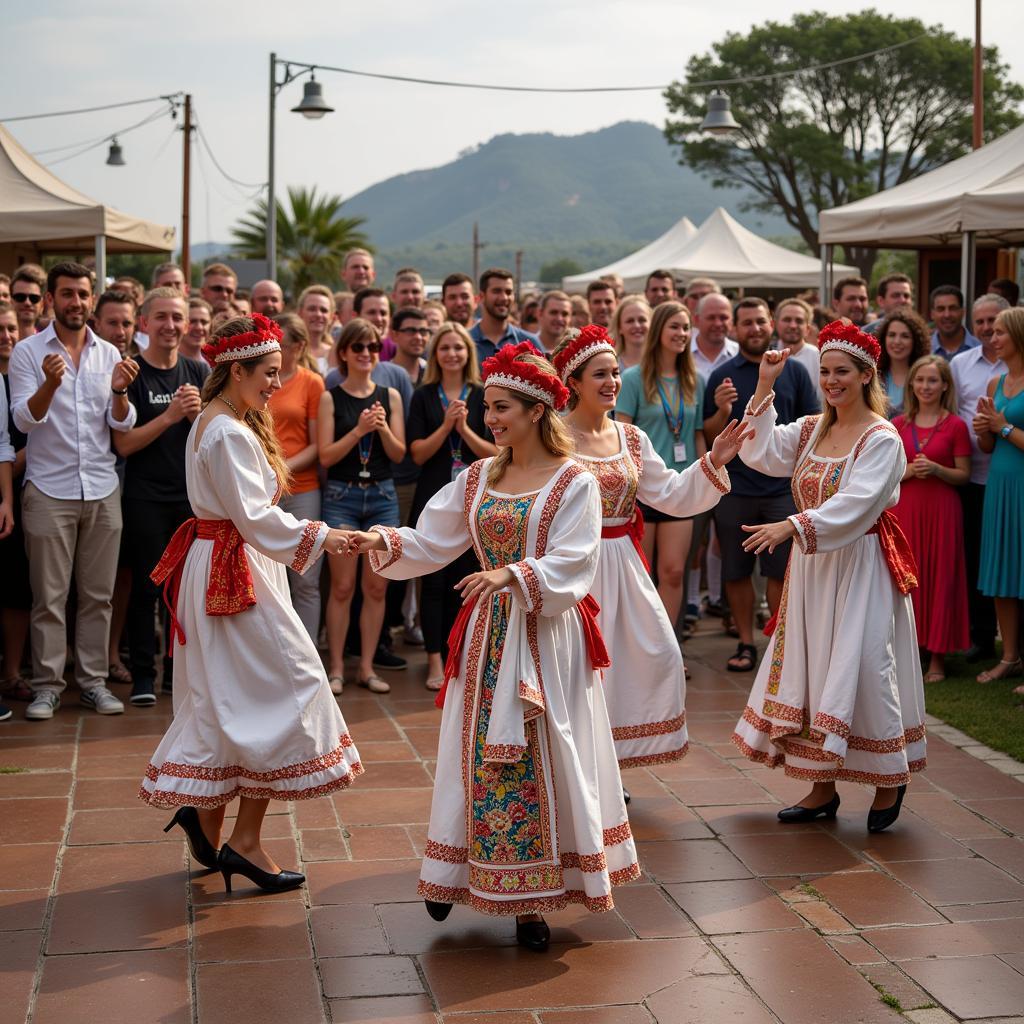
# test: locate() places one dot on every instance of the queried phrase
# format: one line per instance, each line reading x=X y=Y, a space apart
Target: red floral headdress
x=263 y=339
x=845 y=336
x=591 y=341
x=506 y=370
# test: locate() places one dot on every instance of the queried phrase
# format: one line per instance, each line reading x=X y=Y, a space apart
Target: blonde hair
x=432 y=371
x=616 y=327
x=1012 y=320
x=259 y=421
x=874 y=394
x=686 y=368
x=315 y=289
x=554 y=434
x=295 y=330
x=162 y=292
x=911 y=405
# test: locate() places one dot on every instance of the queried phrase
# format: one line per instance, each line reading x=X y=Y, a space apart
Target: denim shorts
x=349 y=506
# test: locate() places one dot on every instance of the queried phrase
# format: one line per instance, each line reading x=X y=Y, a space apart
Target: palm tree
x=310 y=242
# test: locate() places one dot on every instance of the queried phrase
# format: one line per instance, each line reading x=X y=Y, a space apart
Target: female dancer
x=253 y=715
x=446 y=434
x=630 y=322
x=527 y=812
x=362 y=436
x=938 y=450
x=841 y=696
x=646 y=708
x=664 y=396
x=999 y=427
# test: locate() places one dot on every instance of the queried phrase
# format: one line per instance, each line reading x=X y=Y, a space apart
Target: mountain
x=592 y=197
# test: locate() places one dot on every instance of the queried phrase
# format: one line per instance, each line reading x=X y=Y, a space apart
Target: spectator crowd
x=379 y=405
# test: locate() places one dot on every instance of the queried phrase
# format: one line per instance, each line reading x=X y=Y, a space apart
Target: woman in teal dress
x=999 y=425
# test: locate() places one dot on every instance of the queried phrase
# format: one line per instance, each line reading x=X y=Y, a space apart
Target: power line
x=91 y=110
x=608 y=88
x=216 y=163
x=149 y=119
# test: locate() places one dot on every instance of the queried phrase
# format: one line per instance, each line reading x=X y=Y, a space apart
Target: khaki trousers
x=62 y=537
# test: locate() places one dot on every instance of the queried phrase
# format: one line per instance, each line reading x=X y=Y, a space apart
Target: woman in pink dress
x=938 y=450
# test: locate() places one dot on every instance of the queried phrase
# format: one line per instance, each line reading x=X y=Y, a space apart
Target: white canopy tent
x=39 y=213
x=637 y=265
x=977 y=198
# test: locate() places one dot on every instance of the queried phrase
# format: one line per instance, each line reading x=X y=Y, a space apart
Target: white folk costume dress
x=645 y=686
x=840 y=693
x=253 y=712
x=527 y=812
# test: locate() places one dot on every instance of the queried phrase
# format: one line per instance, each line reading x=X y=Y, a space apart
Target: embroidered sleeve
x=311 y=545
x=529 y=585
x=762 y=408
x=806 y=533
x=393 y=540
x=718 y=477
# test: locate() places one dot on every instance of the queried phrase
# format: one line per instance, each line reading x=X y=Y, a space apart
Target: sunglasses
x=362 y=346
x=26 y=297
x=423 y=332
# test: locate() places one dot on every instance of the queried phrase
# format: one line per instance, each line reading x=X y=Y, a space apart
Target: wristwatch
x=124 y=391
x=1006 y=431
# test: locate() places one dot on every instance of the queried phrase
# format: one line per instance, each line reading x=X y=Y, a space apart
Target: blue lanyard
x=454 y=447
x=674 y=420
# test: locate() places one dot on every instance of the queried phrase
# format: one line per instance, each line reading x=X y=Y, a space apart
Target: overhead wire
x=95 y=144
x=91 y=110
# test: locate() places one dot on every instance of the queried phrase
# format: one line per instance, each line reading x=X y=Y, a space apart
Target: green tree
x=553 y=272
x=311 y=239
x=814 y=141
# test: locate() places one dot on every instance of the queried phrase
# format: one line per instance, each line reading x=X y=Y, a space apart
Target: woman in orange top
x=294 y=409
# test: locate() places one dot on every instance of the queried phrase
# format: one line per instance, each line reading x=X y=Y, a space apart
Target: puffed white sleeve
x=773 y=449
x=872 y=486
x=439 y=537
x=563 y=576
x=236 y=466
x=696 y=489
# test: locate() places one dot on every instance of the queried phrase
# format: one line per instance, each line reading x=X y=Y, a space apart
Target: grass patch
x=993 y=714
x=10 y=769
x=888 y=998
x=811 y=891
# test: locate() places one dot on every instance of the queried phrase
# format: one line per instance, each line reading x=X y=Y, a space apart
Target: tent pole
x=101 y=264
x=968 y=254
x=826 y=266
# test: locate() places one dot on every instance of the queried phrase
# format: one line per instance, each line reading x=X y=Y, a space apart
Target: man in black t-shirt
x=166 y=395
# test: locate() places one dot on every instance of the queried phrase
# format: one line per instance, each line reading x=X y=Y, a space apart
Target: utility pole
x=519 y=273
x=186 y=181
x=979 y=81
x=476 y=253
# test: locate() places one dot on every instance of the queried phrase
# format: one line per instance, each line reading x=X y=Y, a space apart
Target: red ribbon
x=229 y=589
x=634 y=530
x=588 y=609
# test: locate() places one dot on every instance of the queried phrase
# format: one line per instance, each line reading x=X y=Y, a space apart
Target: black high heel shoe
x=199 y=846
x=797 y=815
x=438 y=911
x=878 y=821
x=231 y=863
x=535 y=935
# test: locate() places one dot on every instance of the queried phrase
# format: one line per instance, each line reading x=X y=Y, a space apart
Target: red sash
x=588 y=609
x=229 y=590
x=898 y=557
x=634 y=530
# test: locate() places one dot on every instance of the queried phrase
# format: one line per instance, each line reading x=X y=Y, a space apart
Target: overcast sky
x=60 y=54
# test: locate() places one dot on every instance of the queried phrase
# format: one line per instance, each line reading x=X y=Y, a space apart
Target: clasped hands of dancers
x=528 y=813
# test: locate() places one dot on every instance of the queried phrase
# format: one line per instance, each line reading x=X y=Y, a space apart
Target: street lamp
x=719 y=120
x=312 y=106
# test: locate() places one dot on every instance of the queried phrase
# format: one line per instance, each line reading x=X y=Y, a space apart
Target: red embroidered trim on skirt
x=636 y=732
x=506 y=908
x=644 y=760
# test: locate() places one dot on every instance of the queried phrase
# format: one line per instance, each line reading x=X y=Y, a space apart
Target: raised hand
x=772 y=365
x=124 y=373
x=725 y=395
x=454 y=414
x=727 y=445
x=369 y=420
x=53 y=369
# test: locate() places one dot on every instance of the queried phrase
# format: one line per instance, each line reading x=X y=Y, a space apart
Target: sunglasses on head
x=365 y=346
x=26 y=297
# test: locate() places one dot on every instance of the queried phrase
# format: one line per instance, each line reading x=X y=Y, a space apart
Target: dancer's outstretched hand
x=337 y=542
x=769 y=536
x=359 y=543
x=483 y=584
x=772 y=364
x=727 y=444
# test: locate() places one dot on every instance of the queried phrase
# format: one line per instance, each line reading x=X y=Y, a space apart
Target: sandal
x=337 y=684
x=435 y=683
x=118 y=673
x=375 y=684
x=1001 y=670
x=17 y=689
x=743 y=660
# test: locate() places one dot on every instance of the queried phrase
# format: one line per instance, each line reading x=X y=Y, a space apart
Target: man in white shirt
x=714 y=322
x=553 y=317
x=972 y=370
x=68 y=391
x=792 y=320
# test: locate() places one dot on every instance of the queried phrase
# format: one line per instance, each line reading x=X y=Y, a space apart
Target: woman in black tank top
x=361 y=434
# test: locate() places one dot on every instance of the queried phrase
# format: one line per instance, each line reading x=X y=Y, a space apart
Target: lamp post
x=312 y=106
x=719 y=120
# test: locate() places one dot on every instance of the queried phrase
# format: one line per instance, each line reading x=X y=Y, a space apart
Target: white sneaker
x=101 y=700
x=413 y=636
x=43 y=706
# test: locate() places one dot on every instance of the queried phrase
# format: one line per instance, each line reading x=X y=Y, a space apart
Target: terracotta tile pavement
x=735 y=918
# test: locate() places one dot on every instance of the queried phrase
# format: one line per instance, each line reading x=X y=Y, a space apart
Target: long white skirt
x=840 y=695
x=550 y=829
x=253 y=713
x=645 y=687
